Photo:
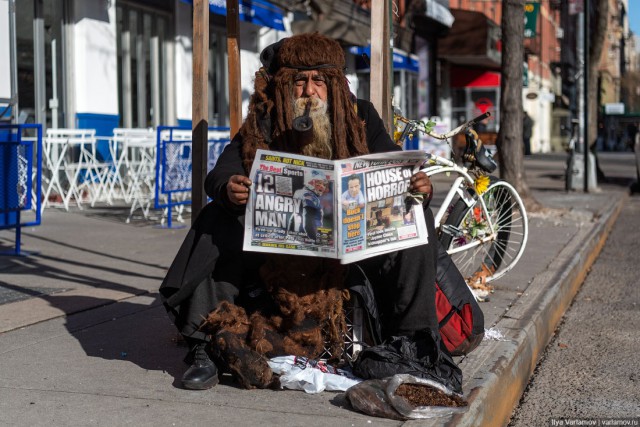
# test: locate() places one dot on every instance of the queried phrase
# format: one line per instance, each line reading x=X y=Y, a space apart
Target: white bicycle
x=482 y=222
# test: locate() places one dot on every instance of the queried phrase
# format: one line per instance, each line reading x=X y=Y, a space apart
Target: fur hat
x=269 y=123
x=309 y=51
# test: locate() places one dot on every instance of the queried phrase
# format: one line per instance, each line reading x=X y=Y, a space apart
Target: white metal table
x=73 y=169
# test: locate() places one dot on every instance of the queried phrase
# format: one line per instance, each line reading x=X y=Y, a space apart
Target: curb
x=529 y=326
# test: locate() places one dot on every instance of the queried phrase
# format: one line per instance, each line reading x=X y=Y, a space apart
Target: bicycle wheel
x=467 y=237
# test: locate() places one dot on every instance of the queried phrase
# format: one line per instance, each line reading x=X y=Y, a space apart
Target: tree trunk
x=598 y=23
x=510 y=141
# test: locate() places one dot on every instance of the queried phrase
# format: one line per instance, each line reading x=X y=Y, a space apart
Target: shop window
x=468 y=103
x=405 y=92
x=40 y=61
x=143 y=37
x=218 y=81
x=458 y=107
x=481 y=102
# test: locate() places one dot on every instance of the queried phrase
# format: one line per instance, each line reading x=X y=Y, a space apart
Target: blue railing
x=17 y=190
x=173 y=164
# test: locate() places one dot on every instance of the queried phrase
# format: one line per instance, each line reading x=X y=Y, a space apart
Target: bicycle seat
x=485 y=160
x=476 y=153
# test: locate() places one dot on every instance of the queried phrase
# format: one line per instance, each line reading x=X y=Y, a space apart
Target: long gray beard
x=320 y=145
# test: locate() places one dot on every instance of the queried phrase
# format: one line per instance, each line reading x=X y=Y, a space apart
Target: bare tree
x=598 y=30
x=510 y=135
x=631 y=90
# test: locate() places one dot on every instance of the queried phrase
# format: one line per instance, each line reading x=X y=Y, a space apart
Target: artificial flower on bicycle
x=399 y=126
x=481 y=184
x=474 y=225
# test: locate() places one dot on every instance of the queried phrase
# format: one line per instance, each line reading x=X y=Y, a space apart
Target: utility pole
x=380 y=90
x=577 y=165
x=585 y=34
x=233 y=53
x=200 y=109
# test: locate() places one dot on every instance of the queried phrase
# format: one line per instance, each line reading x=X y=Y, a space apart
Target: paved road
x=90 y=343
x=590 y=369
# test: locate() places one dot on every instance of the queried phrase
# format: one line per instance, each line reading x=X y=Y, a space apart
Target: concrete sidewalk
x=84 y=339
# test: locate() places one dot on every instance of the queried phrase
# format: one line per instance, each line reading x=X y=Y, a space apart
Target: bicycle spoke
x=506 y=213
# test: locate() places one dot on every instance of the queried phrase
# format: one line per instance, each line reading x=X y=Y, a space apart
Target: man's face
x=354 y=187
x=319 y=186
x=310 y=84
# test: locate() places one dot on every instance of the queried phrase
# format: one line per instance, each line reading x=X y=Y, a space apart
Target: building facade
x=103 y=64
x=472 y=55
x=128 y=63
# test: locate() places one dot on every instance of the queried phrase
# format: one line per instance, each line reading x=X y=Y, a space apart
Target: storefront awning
x=401 y=60
x=341 y=20
x=431 y=19
x=439 y=13
x=258 y=12
x=474 y=40
x=469 y=77
x=352 y=33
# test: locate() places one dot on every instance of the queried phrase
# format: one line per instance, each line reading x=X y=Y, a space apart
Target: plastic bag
x=379 y=398
x=370 y=397
x=312 y=376
x=421 y=357
x=401 y=405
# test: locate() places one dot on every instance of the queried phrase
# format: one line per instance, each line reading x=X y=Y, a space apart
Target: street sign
x=531 y=11
x=614 y=108
x=575 y=7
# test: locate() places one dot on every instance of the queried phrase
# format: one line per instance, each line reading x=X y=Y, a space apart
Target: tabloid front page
x=349 y=209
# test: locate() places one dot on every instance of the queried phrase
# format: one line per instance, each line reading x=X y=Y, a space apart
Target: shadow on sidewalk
x=91 y=251
x=106 y=328
x=70 y=273
x=136 y=333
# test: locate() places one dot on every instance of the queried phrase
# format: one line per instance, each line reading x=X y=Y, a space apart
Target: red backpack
x=460 y=318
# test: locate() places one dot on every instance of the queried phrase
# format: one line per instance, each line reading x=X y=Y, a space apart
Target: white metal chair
x=133 y=151
x=134 y=174
x=73 y=170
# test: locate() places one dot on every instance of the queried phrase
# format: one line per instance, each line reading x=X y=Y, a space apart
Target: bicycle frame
x=443 y=165
x=495 y=246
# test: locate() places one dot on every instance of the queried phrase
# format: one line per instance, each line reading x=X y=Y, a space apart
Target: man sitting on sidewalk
x=211 y=267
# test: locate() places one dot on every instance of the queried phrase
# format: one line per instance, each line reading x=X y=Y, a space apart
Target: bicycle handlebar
x=462 y=128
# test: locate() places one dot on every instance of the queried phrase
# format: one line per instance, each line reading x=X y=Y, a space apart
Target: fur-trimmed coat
x=214 y=244
x=222 y=223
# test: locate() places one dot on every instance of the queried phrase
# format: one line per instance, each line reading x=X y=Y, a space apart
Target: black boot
x=203 y=373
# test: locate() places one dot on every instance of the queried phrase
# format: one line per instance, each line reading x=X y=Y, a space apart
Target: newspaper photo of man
x=308 y=216
x=353 y=197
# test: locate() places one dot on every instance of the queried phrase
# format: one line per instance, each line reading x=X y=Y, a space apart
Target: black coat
x=213 y=246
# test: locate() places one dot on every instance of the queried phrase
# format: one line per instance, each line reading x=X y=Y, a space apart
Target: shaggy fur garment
x=309 y=299
x=308 y=292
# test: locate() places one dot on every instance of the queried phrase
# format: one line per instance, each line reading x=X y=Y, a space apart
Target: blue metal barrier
x=17 y=190
x=173 y=164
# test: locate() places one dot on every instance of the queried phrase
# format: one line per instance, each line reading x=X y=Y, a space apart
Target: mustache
x=318 y=106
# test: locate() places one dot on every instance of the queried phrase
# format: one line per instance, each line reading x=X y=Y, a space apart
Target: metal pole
x=233 y=53
x=200 y=109
x=53 y=102
x=127 y=96
x=39 y=66
x=587 y=60
x=69 y=86
x=13 y=54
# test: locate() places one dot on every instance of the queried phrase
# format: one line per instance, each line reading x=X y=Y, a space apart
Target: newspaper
x=347 y=209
